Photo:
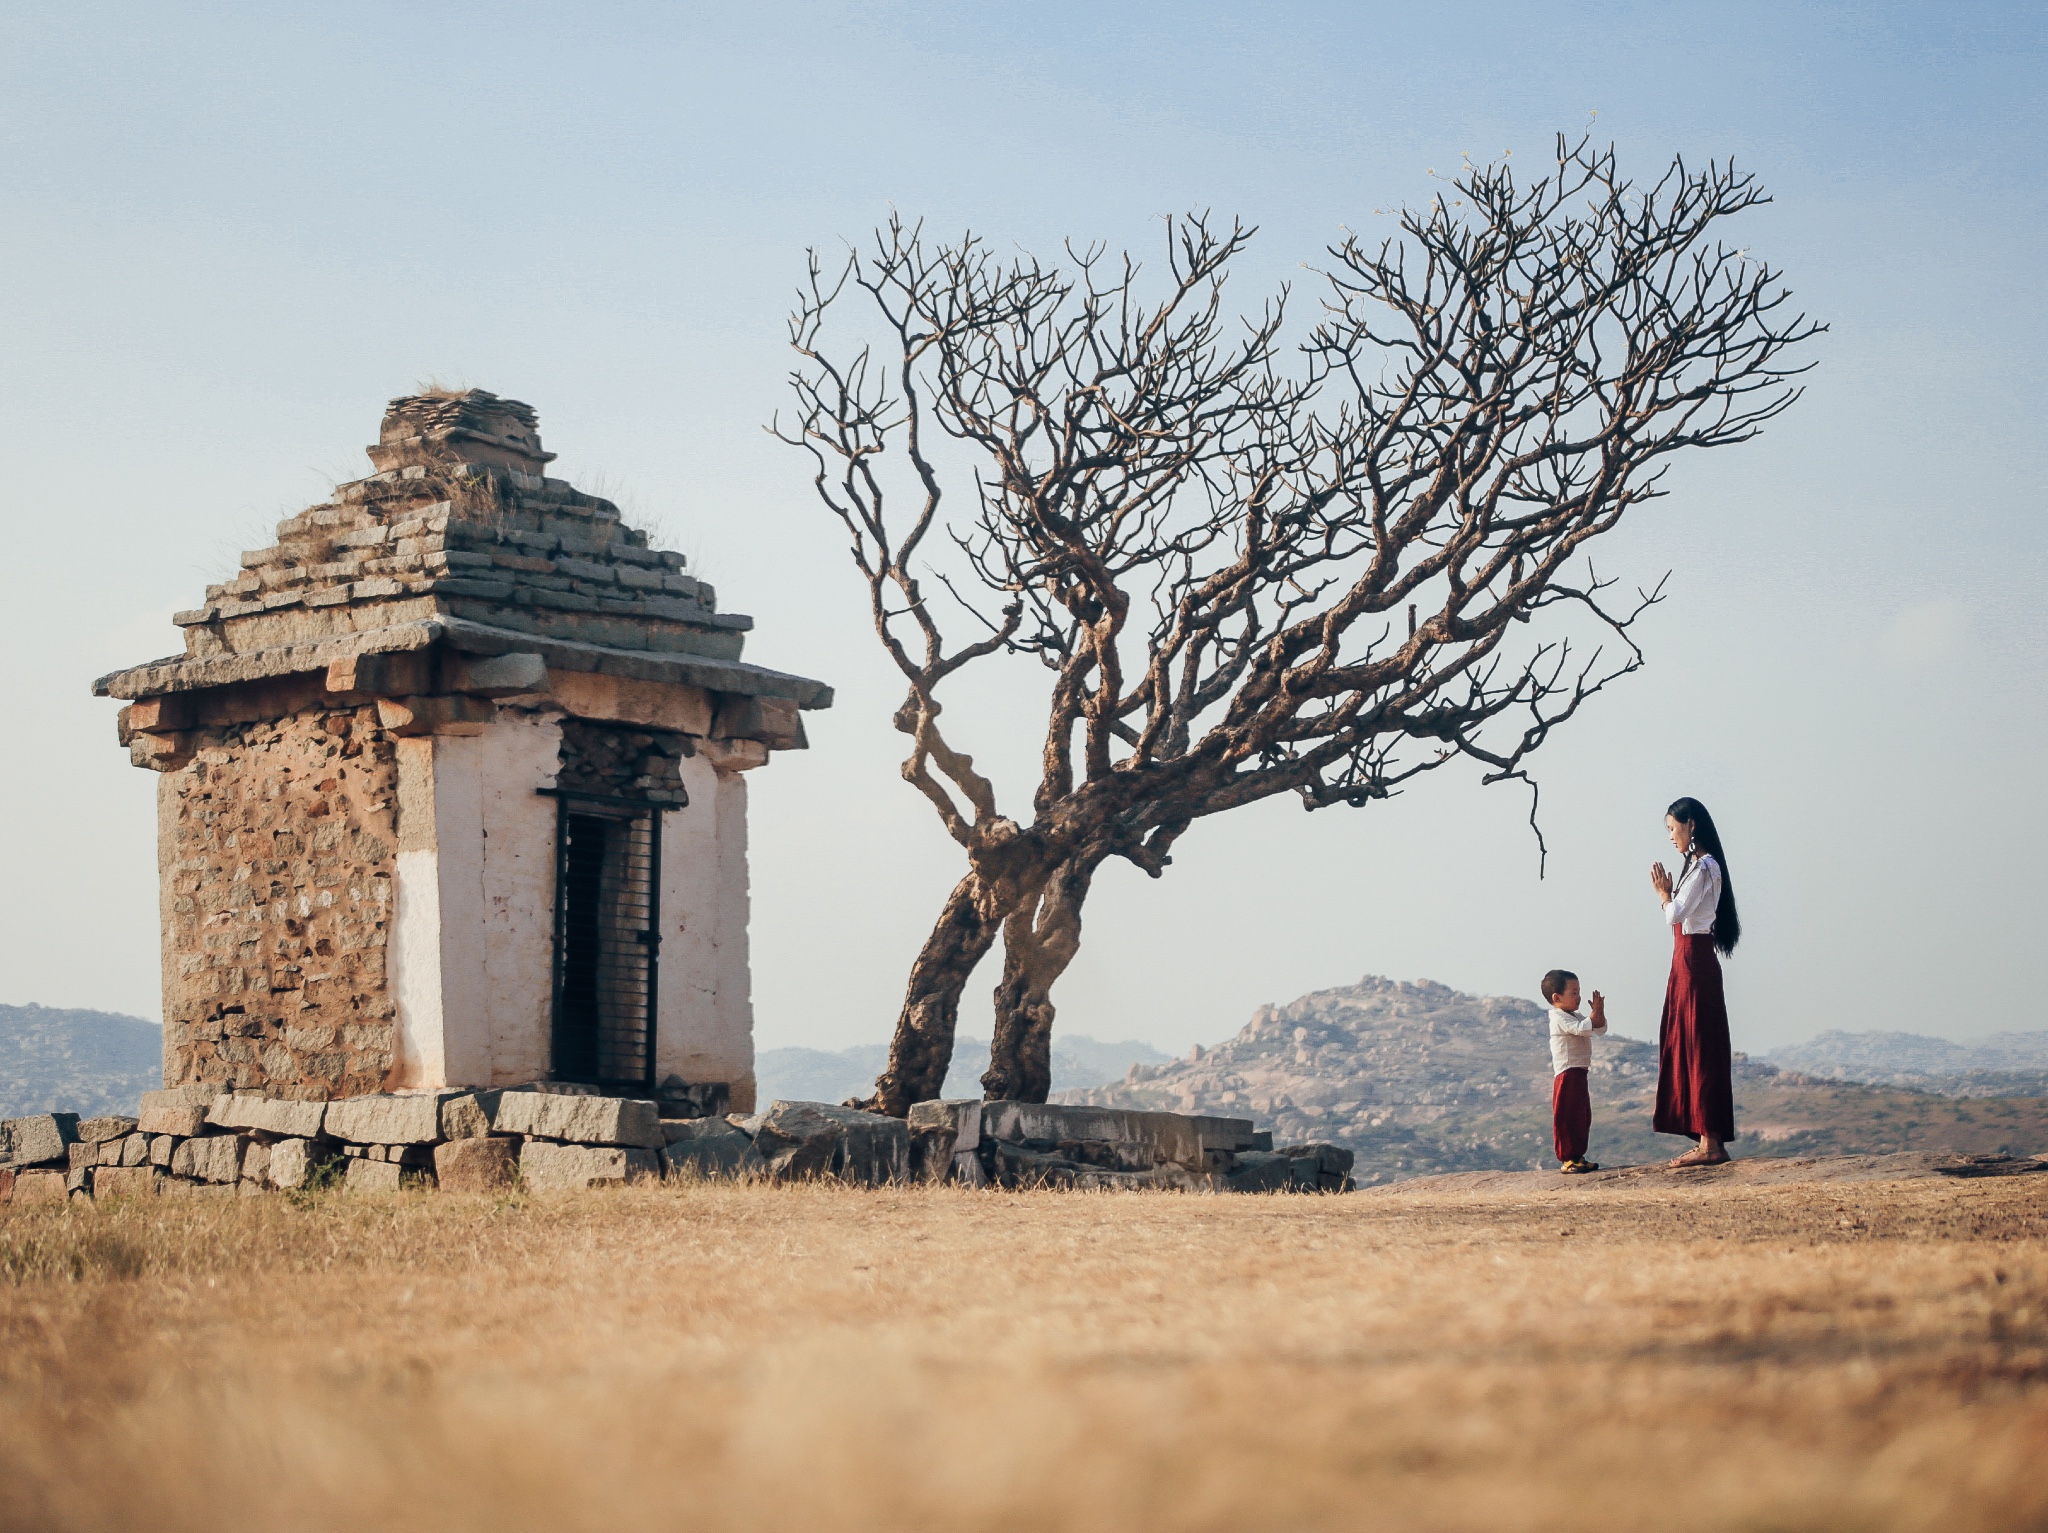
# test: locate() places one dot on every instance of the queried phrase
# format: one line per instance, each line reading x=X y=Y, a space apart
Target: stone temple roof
x=460 y=537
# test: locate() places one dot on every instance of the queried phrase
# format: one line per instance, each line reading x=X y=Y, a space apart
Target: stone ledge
x=182 y=673
x=1025 y=1144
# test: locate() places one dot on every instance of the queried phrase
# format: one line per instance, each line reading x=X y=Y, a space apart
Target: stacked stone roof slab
x=460 y=539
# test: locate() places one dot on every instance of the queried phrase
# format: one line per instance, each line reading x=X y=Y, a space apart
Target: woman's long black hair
x=1727 y=924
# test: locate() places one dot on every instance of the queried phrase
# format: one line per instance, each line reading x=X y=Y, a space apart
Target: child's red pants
x=1571 y=1114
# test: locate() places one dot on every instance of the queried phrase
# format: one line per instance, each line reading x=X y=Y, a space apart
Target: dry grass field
x=1637 y=1355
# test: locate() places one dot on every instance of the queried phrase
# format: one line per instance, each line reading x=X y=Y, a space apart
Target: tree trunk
x=1040 y=938
x=974 y=913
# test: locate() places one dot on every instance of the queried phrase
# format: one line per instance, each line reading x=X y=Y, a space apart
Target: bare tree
x=1250 y=569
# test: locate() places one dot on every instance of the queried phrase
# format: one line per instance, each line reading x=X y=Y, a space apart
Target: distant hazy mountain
x=2003 y=1065
x=76 y=1061
x=1417 y=1078
x=833 y=1075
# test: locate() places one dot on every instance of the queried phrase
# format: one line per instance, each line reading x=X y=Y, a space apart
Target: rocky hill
x=2002 y=1065
x=87 y=1062
x=1417 y=1079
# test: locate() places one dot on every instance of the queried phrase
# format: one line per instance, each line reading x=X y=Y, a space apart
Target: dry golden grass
x=1843 y=1356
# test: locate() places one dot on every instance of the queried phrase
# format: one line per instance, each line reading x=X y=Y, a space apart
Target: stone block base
x=558 y=1167
x=41 y=1137
x=476 y=1165
x=555 y=1138
x=41 y=1187
x=124 y=1182
x=365 y=1175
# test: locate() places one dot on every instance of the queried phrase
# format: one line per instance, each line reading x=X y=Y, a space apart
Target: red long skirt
x=1571 y=1114
x=1695 y=1094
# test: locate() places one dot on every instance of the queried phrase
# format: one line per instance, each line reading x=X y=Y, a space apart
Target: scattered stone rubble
x=191 y=1140
x=1017 y=1144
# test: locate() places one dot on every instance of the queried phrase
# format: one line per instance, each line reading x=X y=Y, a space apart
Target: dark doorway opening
x=607 y=941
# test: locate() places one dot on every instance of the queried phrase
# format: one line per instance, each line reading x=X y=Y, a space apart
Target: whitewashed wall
x=707 y=1013
x=472 y=945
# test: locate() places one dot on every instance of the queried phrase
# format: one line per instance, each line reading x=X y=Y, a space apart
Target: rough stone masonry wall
x=277 y=845
x=621 y=763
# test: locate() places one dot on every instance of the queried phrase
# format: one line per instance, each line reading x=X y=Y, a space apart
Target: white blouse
x=1698 y=895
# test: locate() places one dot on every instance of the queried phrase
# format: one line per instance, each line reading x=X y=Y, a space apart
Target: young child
x=1571 y=1053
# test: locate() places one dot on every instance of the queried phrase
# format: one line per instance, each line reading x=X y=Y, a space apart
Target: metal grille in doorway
x=607 y=941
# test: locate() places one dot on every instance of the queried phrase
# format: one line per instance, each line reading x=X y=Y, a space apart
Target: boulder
x=41 y=1187
x=709 y=1147
x=244 y=1110
x=1016 y=1165
x=124 y=1182
x=798 y=1141
x=1042 y=1144
x=557 y=1167
x=185 y=1122
x=703 y=1099
x=403 y=1117
x=161 y=1147
x=804 y=1140
x=1163 y=1138
x=214 y=1158
x=968 y=1169
x=135 y=1150
x=940 y=1133
x=472 y=1164
x=1321 y=1167
x=366 y=1175
x=100 y=1130
x=34 y=1140
x=1261 y=1171
x=1331 y=1159
x=580 y=1120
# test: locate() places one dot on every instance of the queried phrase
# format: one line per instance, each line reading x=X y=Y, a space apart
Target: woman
x=1695 y=1095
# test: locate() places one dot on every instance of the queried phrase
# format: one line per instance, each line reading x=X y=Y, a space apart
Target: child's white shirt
x=1571 y=1041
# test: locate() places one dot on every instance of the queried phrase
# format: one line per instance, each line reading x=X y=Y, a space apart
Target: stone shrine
x=453 y=789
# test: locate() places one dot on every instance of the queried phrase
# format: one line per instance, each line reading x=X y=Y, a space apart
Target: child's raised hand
x=1599 y=1010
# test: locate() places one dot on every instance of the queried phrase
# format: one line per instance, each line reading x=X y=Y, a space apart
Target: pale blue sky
x=232 y=231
